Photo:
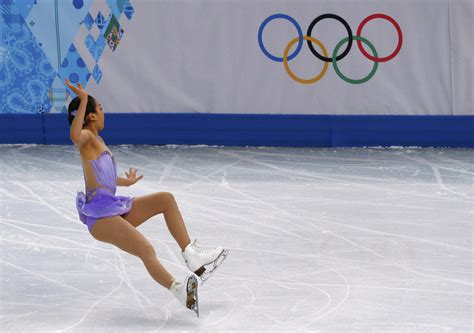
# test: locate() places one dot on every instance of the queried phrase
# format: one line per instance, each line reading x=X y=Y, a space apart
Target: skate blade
x=195 y=308
x=192 y=301
x=211 y=268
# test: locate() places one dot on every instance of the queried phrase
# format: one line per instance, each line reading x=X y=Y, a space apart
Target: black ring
x=349 y=31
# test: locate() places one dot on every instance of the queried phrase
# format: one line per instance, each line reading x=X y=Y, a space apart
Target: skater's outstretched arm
x=76 y=133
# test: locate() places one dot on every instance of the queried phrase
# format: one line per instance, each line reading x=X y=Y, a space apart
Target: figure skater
x=114 y=219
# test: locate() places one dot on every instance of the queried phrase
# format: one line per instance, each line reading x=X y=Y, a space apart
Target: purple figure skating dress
x=102 y=201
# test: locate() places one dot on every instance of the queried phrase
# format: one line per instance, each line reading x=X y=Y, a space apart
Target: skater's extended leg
x=202 y=262
x=150 y=205
x=117 y=231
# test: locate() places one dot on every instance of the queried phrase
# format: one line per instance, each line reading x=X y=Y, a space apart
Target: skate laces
x=175 y=285
x=200 y=250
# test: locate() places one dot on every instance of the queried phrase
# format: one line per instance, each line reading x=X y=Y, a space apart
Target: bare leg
x=150 y=205
x=117 y=231
x=175 y=224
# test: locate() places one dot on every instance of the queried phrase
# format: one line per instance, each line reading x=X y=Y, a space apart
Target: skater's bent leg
x=117 y=231
x=150 y=205
x=175 y=222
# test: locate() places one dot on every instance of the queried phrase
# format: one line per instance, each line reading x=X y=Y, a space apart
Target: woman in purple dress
x=113 y=219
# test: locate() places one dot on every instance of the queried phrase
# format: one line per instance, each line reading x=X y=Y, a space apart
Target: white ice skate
x=203 y=262
x=187 y=292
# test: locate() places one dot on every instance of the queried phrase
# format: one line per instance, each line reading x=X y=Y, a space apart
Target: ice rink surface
x=329 y=240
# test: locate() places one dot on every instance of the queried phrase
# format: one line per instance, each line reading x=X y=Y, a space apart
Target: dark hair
x=74 y=106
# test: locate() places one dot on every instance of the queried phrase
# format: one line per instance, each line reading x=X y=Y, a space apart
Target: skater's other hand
x=132 y=176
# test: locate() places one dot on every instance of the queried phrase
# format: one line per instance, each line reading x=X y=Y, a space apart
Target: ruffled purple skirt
x=103 y=204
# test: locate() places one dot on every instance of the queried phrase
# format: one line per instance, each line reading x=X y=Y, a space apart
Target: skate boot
x=203 y=262
x=187 y=292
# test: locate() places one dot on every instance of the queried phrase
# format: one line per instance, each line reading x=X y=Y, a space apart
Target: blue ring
x=260 y=36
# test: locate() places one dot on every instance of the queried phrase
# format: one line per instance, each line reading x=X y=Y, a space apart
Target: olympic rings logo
x=334 y=58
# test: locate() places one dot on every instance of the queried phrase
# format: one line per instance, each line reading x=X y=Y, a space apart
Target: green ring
x=342 y=76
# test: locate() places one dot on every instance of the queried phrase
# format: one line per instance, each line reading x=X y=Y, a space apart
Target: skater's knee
x=146 y=252
x=167 y=198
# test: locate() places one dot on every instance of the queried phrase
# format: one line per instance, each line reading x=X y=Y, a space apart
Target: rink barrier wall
x=250 y=130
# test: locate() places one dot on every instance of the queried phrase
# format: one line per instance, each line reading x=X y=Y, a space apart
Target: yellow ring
x=287 y=67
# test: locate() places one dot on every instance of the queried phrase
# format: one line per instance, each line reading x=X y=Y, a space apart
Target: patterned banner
x=339 y=57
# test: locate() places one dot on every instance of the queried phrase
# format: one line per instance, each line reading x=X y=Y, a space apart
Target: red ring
x=400 y=37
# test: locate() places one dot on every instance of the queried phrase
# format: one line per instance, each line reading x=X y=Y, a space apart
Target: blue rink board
x=250 y=130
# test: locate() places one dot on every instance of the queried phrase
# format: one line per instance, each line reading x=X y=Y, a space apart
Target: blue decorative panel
x=74 y=68
x=38 y=51
x=25 y=72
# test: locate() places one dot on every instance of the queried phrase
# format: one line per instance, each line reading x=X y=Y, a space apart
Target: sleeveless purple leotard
x=102 y=201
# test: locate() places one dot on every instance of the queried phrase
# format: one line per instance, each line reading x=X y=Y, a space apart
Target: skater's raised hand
x=79 y=90
x=132 y=176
